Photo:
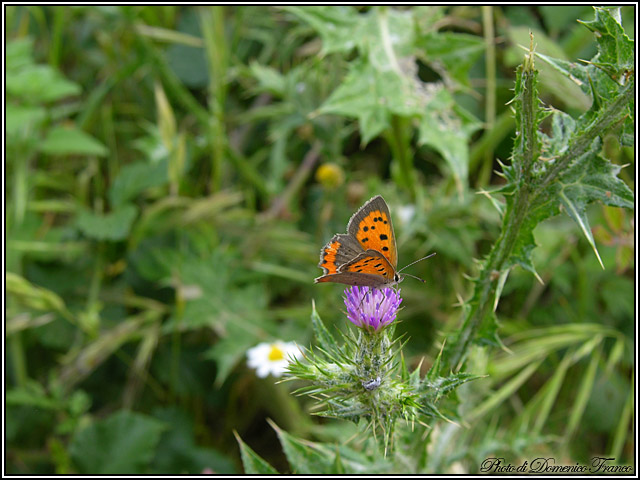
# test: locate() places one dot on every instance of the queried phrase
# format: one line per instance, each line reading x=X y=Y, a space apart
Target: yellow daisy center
x=276 y=353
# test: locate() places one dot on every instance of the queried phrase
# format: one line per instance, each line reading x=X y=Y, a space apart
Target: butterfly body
x=366 y=255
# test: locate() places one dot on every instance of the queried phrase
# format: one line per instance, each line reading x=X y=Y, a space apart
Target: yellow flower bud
x=330 y=175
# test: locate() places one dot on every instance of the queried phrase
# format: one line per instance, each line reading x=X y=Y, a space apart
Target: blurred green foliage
x=166 y=206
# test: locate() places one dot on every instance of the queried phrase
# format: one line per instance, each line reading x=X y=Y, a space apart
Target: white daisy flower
x=272 y=358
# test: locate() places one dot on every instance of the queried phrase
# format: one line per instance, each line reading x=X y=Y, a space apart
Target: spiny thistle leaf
x=564 y=171
x=325 y=339
x=434 y=389
x=251 y=461
x=616 y=50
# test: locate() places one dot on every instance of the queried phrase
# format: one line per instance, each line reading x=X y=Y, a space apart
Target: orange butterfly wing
x=366 y=255
x=371 y=226
x=369 y=269
x=338 y=251
x=371 y=262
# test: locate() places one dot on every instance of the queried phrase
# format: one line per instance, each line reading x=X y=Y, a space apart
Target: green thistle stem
x=372 y=358
x=525 y=194
x=488 y=281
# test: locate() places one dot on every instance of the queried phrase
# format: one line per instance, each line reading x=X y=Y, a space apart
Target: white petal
x=279 y=367
x=292 y=349
x=263 y=370
x=259 y=351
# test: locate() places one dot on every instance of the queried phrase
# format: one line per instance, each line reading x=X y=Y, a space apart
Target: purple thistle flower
x=371 y=308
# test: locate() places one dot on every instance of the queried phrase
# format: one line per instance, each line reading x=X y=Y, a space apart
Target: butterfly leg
x=366 y=294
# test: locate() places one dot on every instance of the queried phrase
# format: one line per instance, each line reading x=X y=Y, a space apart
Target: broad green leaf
x=447 y=128
x=40 y=83
x=71 y=141
x=22 y=119
x=451 y=53
x=189 y=63
x=252 y=462
x=112 y=226
x=135 y=178
x=385 y=36
x=372 y=97
x=334 y=24
x=19 y=54
x=269 y=79
x=382 y=35
x=121 y=444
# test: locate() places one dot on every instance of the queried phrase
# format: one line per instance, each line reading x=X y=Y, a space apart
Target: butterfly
x=366 y=255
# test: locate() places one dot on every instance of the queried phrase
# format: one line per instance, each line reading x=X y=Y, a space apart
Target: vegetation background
x=172 y=173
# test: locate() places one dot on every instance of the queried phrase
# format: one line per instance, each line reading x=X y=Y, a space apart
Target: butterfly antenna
x=413 y=263
x=417 y=278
